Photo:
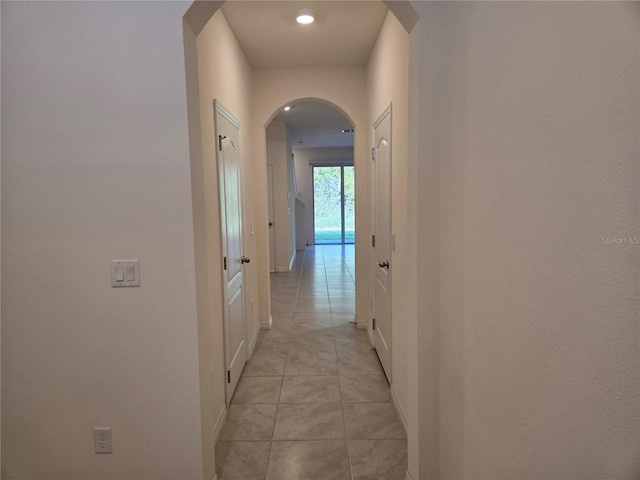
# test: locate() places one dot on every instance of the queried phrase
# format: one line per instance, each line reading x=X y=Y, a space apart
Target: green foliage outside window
x=328 y=204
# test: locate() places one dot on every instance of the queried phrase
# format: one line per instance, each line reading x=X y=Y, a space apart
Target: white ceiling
x=343 y=34
x=315 y=124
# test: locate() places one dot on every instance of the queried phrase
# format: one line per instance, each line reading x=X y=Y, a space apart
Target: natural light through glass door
x=334 y=204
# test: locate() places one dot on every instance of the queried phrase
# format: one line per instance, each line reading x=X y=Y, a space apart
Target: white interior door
x=227 y=130
x=272 y=228
x=382 y=242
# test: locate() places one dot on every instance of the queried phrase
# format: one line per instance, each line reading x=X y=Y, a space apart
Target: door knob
x=384 y=264
x=244 y=259
x=271 y=224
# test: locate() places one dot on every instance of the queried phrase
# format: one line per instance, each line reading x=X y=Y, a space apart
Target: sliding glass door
x=334 y=204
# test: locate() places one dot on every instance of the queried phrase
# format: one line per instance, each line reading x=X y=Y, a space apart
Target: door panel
x=232 y=246
x=382 y=248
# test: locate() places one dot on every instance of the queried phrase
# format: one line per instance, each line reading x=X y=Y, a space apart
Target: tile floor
x=312 y=402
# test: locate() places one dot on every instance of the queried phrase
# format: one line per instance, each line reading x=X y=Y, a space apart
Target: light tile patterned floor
x=312 y=402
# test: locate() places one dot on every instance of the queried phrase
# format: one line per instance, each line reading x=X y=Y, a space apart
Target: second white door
x=382 y=240
x=227 y=131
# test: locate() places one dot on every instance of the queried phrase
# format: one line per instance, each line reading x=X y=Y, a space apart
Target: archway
x=304 y=137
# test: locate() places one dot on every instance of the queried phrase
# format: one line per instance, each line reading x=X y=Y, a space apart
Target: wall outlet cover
x=102 y=439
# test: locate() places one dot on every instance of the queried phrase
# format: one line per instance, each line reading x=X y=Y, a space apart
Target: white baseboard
x=254 y=339
x=222 y=417
x=399 y=409
x=266 y=325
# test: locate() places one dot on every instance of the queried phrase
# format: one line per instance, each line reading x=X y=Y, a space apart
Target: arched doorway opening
x=310 y=179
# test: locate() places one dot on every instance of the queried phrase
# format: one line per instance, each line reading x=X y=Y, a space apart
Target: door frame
x=342 y=166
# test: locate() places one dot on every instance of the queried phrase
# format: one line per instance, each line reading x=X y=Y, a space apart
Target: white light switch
x=131 y=273
x=125 y=273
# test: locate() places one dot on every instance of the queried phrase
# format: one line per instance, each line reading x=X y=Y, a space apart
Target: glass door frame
x=342 y=201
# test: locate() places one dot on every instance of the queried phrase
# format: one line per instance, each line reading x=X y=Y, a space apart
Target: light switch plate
x=125 y=273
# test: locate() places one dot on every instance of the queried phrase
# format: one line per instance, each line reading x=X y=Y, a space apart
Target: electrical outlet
x=102 y=439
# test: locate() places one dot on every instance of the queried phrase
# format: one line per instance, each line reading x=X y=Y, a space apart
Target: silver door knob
x=244 y=259
x=384 y=264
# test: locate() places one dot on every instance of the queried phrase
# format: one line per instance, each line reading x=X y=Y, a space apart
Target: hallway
x=312 y=402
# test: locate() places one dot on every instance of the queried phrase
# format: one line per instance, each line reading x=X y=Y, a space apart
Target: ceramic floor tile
x=277 y=330
x=315 y=460
x=257 y=390
x=312 y=300
x=303 y=345
x=336 y=289
x=249 y=422
x=369 y=421
x=302 y=317
x=284 y=296
x=283 y=309
x=378 y=459
x=359 y=362
x=346 y=344
x=309 y=421
x=364 y=388
x=311 y=364
x=312 y=328
x=281 y=319
x=241 y=460
x=333 y=387
x=314 y=307
x=344 y=319
x=310 y=389
x=272 y=346
x=311 y=290
x=265 y=366
x=342 y=307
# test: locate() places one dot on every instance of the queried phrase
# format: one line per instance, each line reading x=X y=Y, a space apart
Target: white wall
x=344 y=88
x=279 y=158
x=535 y=129
x=223 y=74
x=388 y=83
x=95 y=167
x=304 y=176
x=423 y=238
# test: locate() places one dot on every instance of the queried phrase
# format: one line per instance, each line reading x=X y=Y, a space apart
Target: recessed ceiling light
x=305 y=17
x=287 y=108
